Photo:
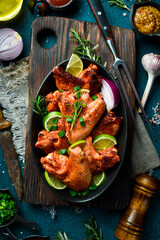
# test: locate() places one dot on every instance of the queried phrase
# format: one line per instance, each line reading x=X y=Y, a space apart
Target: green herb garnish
x=61 y=134
x=78 y=95
x=39 y=106
x=53 y=128
x=94 y=97
x=7 y=208
x=77 y=88
x=78 y=106
x=82 y=121
x=62 y=151
x=61 y=90
x=119 y=4
x=85 y=46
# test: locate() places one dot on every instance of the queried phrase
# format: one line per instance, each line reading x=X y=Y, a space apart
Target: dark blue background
x=67 y=219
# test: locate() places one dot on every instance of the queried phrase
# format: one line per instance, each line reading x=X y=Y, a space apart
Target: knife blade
x=10 y=156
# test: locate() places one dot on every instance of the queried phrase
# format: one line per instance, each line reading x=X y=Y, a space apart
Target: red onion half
x=110 y=93
x=11 y=44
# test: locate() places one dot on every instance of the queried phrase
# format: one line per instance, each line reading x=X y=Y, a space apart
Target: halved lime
x=54 y=182
x=78 y=143
x=104 y=141
x=75 y=65
x=98 y=179
x=50 y=121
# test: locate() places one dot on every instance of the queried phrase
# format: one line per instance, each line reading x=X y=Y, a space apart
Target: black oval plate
x=48 y=86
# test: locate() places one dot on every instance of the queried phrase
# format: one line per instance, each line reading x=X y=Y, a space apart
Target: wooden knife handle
x=3 y=123
x=100 y=16
x=131 y=224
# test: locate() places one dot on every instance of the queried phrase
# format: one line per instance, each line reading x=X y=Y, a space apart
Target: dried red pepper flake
x=43 y=9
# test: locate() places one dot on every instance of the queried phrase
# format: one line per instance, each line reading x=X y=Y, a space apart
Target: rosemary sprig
x=84 y=47
x=94 y=232
x=119 y=4
x=61 y=236
x=39 y=106
x=78 y=106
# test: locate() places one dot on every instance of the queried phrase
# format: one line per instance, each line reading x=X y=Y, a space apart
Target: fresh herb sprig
x=84 y=47
x=39 y=106
x=78 y=106
x=119 y=4
x=61 y=236
x=93 y=231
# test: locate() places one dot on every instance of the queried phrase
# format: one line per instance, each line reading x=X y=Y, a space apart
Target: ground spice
x=147 y=19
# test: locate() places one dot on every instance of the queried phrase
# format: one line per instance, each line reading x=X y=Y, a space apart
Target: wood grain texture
x=41 y=62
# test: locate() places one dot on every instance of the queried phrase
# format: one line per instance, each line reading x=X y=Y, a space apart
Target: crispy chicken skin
x=109 y=124
x=74 y=170
x=51 y=101
x=56 y=164
x=88 y=79
x=79 y=174
x=91 y=114
x=64 y=80
x=77 y=170
x=50 y=141
x=100 y=160
x=91 y=79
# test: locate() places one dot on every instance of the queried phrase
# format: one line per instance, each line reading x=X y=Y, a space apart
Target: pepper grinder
x=131 y=224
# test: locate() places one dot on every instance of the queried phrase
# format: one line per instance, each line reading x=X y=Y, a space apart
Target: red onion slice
x=110 y=93
x=11 y=44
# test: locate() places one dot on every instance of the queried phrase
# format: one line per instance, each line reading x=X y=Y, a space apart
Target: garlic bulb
x=151 y=63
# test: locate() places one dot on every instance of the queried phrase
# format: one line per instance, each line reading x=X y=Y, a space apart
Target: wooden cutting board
x=42 y=60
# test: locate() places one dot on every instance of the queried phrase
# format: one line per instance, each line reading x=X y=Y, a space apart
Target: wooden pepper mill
x=131 y=224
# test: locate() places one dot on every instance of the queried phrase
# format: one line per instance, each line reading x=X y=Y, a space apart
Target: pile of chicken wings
x=77 y=169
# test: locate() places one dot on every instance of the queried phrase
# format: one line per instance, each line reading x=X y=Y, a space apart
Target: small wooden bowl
x=134 y=7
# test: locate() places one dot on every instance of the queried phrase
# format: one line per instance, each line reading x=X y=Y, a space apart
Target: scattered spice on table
x=156 y=115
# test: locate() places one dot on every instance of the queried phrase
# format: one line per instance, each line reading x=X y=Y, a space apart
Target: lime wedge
x=78 y=143
x=104 y=141
x=54 y=182
x=98 y=179
x=50 y=121
x=75 y=65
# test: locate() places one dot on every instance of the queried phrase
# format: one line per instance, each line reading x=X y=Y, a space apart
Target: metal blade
x=10 y=156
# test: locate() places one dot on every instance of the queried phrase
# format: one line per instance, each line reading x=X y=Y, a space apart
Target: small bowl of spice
x=145 y=18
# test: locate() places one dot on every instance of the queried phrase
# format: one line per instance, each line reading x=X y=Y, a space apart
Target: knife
x=10 y=156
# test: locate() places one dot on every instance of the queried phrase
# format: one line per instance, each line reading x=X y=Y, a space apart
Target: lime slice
x=50 y=121
x=54 y=182
x=104 y=141
x=98 y=179
x=78 y=143
x=75 y=65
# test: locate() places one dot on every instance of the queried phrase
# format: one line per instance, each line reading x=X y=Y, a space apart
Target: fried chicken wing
x=91 y=114
x=110 y=124
x=51 y=101
x=50 y=141
x=79 y=174
x=56 y=164
x=100 y=160
x=74 y=170
x=91 y=79
x=88 y=79
x=64 y=80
